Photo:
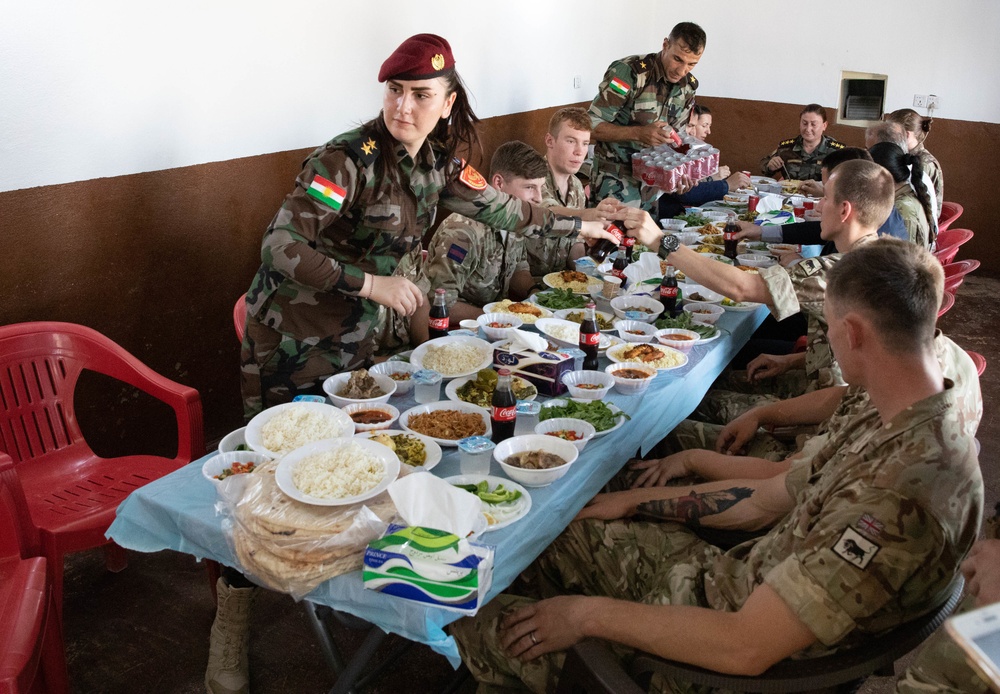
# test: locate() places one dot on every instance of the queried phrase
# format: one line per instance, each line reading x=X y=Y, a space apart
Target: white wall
x=113 y=87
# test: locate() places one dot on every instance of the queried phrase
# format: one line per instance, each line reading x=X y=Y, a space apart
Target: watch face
x=670 y=243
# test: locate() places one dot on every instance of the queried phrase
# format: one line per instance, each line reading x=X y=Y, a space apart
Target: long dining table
x=178 y=512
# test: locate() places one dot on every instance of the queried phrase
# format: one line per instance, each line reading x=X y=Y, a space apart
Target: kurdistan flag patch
x=620 y=87
x=327 y=192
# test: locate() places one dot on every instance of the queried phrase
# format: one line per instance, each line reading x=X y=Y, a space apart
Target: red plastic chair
x=948 y=243
x=72 y=493
x=954 y=273
x=979 y=360
x=947 y=302
x=240 y=316
x=32 y=657
x=950 y=211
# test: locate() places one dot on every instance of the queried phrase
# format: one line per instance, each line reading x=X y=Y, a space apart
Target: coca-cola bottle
x=590 y=337
x=729 y=238
x=504 y=416
x=438 y=322
x=668 y=291
x=603 y=248
x=621 y=262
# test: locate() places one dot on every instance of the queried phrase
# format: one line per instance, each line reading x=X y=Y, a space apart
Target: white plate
x=709 y=297
x=417 y=358
x=563 y=312
x=611 y=406
x=705 y=340
x=550 y=278
x=526 y=318
x=744 y=307
x=533 y=299
x=451 y=390
x=253 y=430
x=432 y=448
x=445 y=405
x=762 y=180
x=283 y=474
x=513 y=512
x=613 y=355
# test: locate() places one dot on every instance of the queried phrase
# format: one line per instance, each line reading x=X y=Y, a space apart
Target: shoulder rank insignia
x=855 y=549
x=786 y=143
x=693 y=81
x=365 y=147
x=472 y=178
x=619 y=87
x=835 y=144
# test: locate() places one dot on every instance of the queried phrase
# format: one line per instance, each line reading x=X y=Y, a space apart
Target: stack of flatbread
x=293 y=547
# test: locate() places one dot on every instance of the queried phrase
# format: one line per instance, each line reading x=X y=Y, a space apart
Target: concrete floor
x=146 y=629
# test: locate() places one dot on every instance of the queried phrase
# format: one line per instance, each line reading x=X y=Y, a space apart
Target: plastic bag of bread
x=290 y=546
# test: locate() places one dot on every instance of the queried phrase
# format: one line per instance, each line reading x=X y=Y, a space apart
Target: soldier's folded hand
x=653 y=134
x=398 y=293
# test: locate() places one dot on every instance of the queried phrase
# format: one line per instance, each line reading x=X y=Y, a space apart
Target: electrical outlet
x=933 y=101
x=577 y=82
x=919 y=101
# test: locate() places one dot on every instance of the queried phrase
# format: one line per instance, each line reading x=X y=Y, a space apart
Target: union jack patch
x=870 y=525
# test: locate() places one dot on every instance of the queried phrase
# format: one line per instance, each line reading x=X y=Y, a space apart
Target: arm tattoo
x=691 y=508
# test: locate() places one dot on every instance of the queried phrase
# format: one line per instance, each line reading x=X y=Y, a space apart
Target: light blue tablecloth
x=178 y=511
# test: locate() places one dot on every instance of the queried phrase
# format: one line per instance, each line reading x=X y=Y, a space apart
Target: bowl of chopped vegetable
x=605 y=320
x=223 y=465
x=497 y=326
x=399 y=371
x=234 y=441
x=569 y=429
x=588 y=385
x=635 y=331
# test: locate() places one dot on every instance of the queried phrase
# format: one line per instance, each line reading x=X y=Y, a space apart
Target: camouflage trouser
x=391 y=330
x=732 y=395
x=651 y=563
x=275 y=367
x=625 y=188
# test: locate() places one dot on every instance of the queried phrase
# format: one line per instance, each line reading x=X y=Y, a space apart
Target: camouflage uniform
x=932 y=167
x=918 y=227
x=306 y=320
x=799 y=288
x=883 y=516
x=472 y=261
x=550 y=254
x=647 y=97
x=799 y=165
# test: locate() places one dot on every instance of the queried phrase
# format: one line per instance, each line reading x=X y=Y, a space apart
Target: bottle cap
x=503 y=372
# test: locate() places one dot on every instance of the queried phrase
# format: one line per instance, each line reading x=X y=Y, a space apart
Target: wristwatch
x=668 y=244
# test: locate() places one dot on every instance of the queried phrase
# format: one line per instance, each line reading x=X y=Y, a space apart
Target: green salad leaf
x=596 y=412
x=684 y=322
x=558 y=299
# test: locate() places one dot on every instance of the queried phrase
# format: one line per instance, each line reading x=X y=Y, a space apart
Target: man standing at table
x=642 y=99
x=866 y=533
x=857 y=199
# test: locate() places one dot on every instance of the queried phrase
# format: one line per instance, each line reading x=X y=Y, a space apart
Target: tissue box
x=543 y=369
x=429 y=566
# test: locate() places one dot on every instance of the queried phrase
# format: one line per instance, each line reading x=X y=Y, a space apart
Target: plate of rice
x=337 y=472
x=525 y=310
x=658 y=356
x=283 y=428
x=573 y=280
x=454 y=355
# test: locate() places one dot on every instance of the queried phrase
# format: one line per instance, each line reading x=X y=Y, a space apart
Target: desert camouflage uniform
x=550 y=254
x=932 y=167
x=800 y=288
x=305 y=319
x=472 y=261
x=649 y=97
x=883 y=516
x=799 y=165
x=915 y=219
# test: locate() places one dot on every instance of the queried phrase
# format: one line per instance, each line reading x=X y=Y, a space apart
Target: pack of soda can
x=663 y=166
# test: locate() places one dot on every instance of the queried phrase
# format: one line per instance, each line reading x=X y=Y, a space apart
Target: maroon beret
x=419 y=57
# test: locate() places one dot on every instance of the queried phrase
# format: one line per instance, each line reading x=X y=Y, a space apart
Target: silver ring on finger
x=531 y=635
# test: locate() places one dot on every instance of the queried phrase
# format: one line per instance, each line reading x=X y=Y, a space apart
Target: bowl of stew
x=371 y=417
x=681 y=340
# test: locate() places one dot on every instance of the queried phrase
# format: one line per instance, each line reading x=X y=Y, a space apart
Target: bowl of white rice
x=283 y=428
x=453 y=356
x=337 y=472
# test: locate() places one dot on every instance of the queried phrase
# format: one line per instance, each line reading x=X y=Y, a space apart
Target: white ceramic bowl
x=756 y=260
x=361 y=407
x=585 y=430
x=387 y=368
x=698 y=310
x=535 y=442
x=621 y=303
x=706 y=294
x=713 y=216
x=627 y=328
x=498 y=333
x=685 y=346
x=336 y=383
x=631 y=386
x=234 y=439
x=689 y=238
x=673 y=225
x=574 y=379
x=217 y=463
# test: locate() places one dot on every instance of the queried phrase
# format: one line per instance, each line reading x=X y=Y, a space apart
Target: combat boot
x=227 y=671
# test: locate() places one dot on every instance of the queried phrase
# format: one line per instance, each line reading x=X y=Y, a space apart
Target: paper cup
x=611 y=286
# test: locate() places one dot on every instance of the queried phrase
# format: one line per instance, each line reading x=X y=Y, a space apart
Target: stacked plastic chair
x=950 y=211
x=948 y=243
x=954 y=273
x=947 y=303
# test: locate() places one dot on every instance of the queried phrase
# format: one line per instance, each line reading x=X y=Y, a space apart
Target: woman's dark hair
x=698 y=110
x=838 y=156
x=457 y=135
x=902 y=167
x=814 y=108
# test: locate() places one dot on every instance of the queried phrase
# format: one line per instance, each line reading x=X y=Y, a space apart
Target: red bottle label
x=590 y=338
x=668 y=292
x=617 y=233
x=618 y=273
x=438 y=323
x=628 y=241
x=729 y=235
x=504 y=414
